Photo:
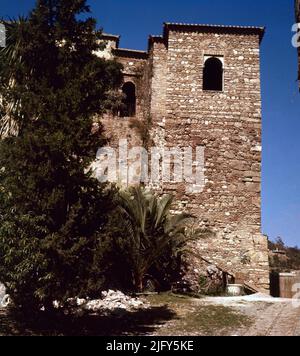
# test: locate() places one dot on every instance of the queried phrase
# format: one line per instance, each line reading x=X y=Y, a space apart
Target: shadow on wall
x=274 y=284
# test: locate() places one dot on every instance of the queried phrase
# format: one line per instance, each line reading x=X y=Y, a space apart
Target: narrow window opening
x=213 y=74
x=129 y=101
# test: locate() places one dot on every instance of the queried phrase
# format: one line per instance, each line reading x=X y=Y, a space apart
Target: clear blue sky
x=136 y=19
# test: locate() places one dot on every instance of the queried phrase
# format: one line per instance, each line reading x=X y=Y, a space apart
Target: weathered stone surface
x=112 y=302
x=4 y=298
x=2 y=292
x=169 y=83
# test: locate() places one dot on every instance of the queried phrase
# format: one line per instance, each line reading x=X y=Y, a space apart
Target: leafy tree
x=147 y=234
x=284 y=258
x=51 y=207
x=279 y=243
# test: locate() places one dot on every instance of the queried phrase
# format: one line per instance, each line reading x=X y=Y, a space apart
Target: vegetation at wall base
x=51 y=207
x=149 y=239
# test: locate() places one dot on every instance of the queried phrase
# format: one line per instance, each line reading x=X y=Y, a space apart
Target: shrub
x=147 y=238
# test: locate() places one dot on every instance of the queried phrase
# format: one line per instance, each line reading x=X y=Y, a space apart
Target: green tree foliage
x=286 y=258
x=51 y=208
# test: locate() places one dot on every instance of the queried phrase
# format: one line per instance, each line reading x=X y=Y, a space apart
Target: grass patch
x=169 y=298
x=196 y=318
x=169 y=315
x=215 y=319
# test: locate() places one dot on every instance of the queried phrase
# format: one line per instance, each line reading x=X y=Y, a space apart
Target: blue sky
x=136 y=19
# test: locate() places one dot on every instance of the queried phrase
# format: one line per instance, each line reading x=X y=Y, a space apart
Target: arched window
x=129 y=101
x=213 y=74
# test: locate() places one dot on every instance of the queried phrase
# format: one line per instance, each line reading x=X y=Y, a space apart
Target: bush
x=147 y=241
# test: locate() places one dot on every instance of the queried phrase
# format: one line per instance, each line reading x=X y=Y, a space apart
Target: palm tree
x=151 y=229
x=10 y=57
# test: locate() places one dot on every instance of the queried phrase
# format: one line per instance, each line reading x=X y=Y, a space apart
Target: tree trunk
x=138 y=282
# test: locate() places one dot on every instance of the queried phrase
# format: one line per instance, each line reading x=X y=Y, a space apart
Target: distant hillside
x=283 y=258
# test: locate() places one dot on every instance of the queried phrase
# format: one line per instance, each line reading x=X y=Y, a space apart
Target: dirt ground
x=256 y=315
x=270 y=316
x=173 y=315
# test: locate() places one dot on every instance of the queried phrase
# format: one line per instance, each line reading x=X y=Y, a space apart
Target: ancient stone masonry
x=169 y=81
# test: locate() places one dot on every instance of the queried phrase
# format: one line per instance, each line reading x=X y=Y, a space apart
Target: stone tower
x=200 y=85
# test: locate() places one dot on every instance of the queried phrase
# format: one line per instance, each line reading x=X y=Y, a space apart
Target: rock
x=56 y=304
x=4 y=298
x=2 y=291
x=80 y=302
x=114 y=302
x=212 y=270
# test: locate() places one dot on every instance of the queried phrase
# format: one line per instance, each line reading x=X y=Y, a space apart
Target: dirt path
x=271 y=317
x=279 y=319
x=257 y=315
x=173 y=315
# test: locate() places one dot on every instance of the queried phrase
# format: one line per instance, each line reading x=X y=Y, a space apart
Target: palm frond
x=10 y=57
x=163 y=209
x=152 y=230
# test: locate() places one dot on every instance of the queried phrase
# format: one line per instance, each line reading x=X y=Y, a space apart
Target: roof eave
x=108 y=36
x=250 y=30
x=130 y=53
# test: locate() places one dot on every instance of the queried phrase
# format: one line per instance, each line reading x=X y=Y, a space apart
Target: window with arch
x=213 y=74
x=129 y=101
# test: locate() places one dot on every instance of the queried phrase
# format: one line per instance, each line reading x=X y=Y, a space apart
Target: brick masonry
x=169 y=84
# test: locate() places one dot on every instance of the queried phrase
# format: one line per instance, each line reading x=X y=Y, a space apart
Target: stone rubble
x=111 y=302
x=4 y=298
